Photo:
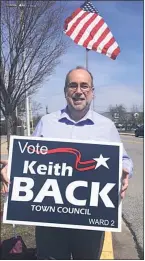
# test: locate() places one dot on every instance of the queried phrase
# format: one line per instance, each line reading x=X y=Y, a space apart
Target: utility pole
x=22 y=6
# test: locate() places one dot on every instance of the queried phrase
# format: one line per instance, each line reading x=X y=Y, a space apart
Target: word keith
x=43 y=169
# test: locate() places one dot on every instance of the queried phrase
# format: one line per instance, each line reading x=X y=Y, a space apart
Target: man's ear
x=93 y=93
x=65 y=92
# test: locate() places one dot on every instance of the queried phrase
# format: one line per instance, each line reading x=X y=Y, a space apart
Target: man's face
x=79 y=92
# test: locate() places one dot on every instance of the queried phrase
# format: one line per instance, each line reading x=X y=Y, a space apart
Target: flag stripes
x=87 y=28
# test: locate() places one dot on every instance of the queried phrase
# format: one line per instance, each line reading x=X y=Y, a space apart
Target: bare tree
x=137 y=115
x=127 y=119
x=36 y=107
x=32 y=43
x=118 y=112
x=120 y=115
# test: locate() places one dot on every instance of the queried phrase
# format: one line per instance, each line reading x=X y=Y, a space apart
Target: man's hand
x=4 y=178
x=125 y=178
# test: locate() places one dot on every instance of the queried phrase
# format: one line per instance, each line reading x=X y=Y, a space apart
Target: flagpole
x=93 y=102
x=86 y=58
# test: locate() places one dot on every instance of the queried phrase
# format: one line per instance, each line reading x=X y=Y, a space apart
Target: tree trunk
x=9 y=127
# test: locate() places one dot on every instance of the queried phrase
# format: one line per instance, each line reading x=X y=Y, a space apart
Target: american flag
x=87 y=28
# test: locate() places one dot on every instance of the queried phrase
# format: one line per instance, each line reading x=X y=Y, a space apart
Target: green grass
x=26 y=232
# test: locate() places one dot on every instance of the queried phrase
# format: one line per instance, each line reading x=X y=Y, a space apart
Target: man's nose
x=78 y=89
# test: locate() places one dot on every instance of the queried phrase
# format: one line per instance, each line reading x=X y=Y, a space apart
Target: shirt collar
x=86 y=120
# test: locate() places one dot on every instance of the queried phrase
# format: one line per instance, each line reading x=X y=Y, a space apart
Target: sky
x=117 y=81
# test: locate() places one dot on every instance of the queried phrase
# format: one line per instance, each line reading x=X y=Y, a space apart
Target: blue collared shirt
x=92 y=126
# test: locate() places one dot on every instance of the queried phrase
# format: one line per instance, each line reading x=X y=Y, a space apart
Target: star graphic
x=101 y=161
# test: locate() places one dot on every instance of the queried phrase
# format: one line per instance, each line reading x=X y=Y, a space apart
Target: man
x=77 y=121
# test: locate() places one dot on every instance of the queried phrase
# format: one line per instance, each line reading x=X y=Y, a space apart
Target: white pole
x=31 y=115
x=93 y=102
x=28 y=115
x=16 y=111
x=27 y=98
x=86 y=59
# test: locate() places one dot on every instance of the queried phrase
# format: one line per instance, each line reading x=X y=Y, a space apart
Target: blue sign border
x=101 y=228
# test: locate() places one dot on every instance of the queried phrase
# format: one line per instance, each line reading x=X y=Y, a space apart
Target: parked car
x=139 y=131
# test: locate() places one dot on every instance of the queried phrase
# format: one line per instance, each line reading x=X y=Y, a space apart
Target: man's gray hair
x=77 y=68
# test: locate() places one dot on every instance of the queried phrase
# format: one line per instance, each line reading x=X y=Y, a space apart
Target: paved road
x=133 y=203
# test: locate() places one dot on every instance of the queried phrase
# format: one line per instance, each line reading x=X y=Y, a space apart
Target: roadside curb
x=129 y=134
x=107 y=251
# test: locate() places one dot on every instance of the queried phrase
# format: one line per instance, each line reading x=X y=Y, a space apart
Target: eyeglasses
x=83 y=86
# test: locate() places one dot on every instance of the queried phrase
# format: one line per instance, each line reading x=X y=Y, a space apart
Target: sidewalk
x=3 y=148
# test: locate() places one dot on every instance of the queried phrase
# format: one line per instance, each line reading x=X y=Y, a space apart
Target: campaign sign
x=64 y=183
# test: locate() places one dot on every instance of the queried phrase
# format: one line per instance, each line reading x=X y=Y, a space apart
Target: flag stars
x=101 y=161
x=88 y=7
